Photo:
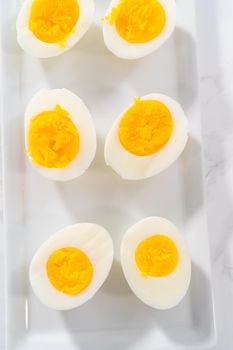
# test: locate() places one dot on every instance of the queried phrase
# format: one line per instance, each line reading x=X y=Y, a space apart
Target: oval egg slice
x=147 y=137
x=47 y=28
x=156 y=262
x=70 y=267
x=60 y=136
x=135 y=28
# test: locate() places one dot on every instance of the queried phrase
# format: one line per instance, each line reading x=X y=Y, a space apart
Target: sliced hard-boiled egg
x=70 y=267
x=156 y=262
x=47 y=28
x=147 y=137
x=60 y=136
x=135 y=28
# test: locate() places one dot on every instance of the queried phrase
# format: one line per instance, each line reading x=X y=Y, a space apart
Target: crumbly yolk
x=145 y=127
x=138 y=21
x=156 y=256
x=52 y=21
x=53 y=139
x=69 y=270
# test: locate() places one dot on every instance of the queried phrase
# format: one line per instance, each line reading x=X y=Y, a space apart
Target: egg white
x=46 y=100
x=161 y=292
x=93 y=240
x=35 y=47
x=121 y=48
x=133 y=167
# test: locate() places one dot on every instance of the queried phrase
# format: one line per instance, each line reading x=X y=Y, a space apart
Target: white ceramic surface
x=35 y=207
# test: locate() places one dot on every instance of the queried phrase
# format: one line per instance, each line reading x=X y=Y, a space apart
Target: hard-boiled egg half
x=71 y=266
x=156 y=262
x=147 y=137
x=135 y=28
x=60 y=136
x=47 y=28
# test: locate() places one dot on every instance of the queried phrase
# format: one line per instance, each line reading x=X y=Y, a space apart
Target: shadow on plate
x=89 y=70
x=191 y=173
x=186 y=68
x=125 y=319
x=199 y=304
x=101 y=196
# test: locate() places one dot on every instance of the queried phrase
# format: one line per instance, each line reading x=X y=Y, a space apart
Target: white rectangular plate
x=36 y=207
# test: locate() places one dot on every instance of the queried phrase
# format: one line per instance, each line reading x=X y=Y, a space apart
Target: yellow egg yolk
x=156 y=256
x=145 y=127
x=52 y=21
x=69 y=270
x=138 y=21
x=53 y=139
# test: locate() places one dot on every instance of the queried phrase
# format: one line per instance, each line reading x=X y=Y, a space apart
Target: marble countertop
x=215 y=28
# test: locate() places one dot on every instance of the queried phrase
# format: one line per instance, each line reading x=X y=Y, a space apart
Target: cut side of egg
x=71 y=266
x=47 y=28
x=135 y=28
x=156 y=262
x=147 y=137
x=60 y=136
